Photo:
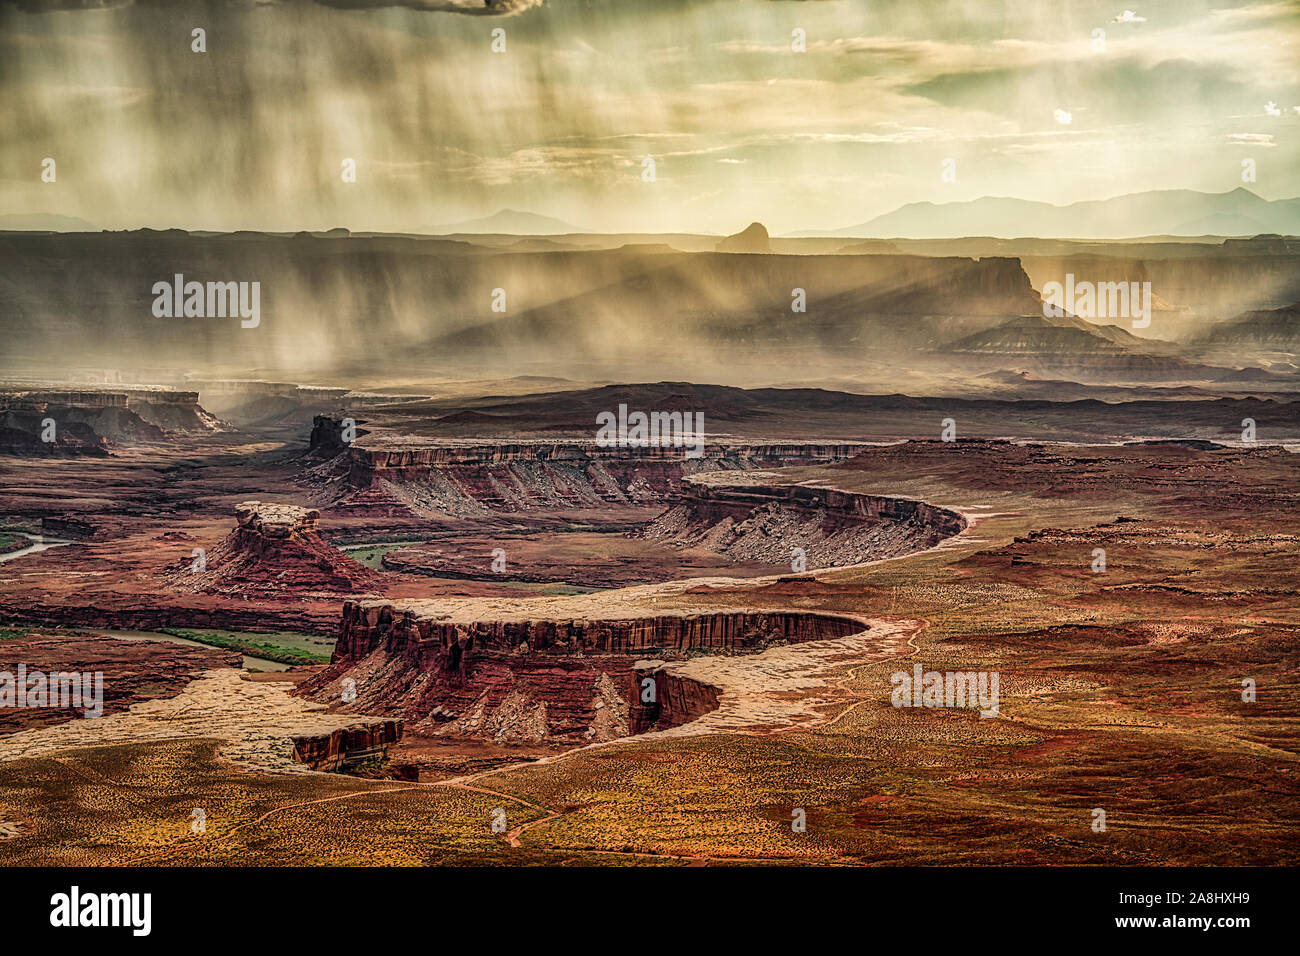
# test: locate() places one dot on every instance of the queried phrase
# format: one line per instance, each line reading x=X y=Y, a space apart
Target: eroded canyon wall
x=1196 y=291
x=465 y=479
x=347 y=746
x=89 y=421
x=829 y=527
x=528 y=679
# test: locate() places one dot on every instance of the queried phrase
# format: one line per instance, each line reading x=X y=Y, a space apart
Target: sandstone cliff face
x=372 y=625
x=466 y=479
x=412 y=462
x=276 y=520
x=84 y=423
x=675 y=700
x=346 y=747
x=729 y=303
x=513 y=680
x=22 y=431
x=88 y=421
x=831 y=527
x=176 y=412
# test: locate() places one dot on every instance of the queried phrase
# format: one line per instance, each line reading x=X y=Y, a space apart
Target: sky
x=1050 y=101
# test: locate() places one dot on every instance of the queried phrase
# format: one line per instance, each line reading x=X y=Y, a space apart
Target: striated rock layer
x=347 y=747
x=469 y=479
x=523 y=679
x=274 y=548
x=88 y=422
x=767 y=523
x=677 y=699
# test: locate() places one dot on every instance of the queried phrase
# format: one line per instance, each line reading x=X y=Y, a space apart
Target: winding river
x=39 y=542
x=252 y=663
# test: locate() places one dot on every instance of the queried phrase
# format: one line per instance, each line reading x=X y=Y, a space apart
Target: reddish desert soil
x=598 y=560
x=1120 y=689
x=132 y=671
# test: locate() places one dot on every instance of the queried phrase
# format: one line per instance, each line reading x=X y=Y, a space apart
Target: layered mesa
x=521 y=679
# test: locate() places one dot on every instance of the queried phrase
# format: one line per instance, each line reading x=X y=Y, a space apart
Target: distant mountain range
x=1159 y=213
x=1170 y=212
x=510 y=222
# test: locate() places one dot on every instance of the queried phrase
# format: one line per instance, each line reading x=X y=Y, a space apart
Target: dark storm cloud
x=443 y=126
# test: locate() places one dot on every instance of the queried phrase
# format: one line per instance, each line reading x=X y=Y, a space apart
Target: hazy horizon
x=537 y=224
